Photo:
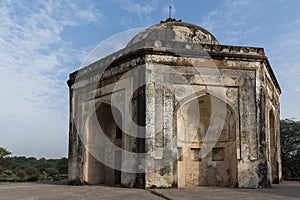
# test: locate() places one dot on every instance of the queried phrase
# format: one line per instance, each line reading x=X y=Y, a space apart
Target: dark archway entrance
x=273 y=148
x=98 y=150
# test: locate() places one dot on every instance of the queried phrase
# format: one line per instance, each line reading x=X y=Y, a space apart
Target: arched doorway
x=219 y=166
x=273 y=148
x=97 y=149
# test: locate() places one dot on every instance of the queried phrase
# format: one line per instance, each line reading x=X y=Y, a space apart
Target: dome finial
x=170 y=19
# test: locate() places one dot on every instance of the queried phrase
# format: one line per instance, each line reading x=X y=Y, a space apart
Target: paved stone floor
x=285 y=190
x=12 y=191
x=26 y=191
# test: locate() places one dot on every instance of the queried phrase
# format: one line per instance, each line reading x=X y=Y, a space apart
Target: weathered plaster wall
x=91 y=93
x=245 y=86
x=159 y=131
x=242 y=81
x=218 y=167
x=273 y=129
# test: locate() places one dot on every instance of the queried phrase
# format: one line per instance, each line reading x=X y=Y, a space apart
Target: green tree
x=20 y=173
x=42 y=164
x=31 y=170
x=52 y=172
x=21 y=168
x=62 y=166
x=4 y=153
x=290 y=148
x=5 y=158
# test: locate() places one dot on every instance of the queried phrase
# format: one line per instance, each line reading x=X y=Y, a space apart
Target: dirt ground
x=59 y=190
x=286 y=190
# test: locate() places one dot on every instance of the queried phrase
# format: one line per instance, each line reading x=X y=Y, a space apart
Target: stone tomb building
x=176 y=109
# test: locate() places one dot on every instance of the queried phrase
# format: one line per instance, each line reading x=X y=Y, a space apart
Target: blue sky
x=41 y=42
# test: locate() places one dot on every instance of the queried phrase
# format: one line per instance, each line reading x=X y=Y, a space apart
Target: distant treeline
x=19 y=169
x=32 y=169
x=290 y=149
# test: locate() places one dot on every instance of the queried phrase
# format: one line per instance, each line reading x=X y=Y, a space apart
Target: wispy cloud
x=34 y=61
x=284 y=51
x=247 y=22
x=231 y=20
x=141 y=9
x=110 y=45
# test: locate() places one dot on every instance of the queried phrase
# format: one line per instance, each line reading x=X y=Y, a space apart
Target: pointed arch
x=194 y=167
x=97 y=151
x=273 y=148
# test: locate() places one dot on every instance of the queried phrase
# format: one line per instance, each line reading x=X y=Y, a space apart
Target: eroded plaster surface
x=176 y=109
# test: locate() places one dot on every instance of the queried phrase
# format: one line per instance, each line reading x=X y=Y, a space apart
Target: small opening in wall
x=196 y=154
x=119 y=132
x=179 y=153
x=218 y=154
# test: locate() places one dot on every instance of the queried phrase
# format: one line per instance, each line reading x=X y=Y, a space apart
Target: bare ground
x=59 y=190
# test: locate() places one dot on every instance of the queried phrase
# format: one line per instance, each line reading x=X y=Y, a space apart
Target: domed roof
x=175 y=31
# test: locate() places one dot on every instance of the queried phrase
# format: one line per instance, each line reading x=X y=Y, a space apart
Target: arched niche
x=102 y=131
x=273 y=147
x=218 y=166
